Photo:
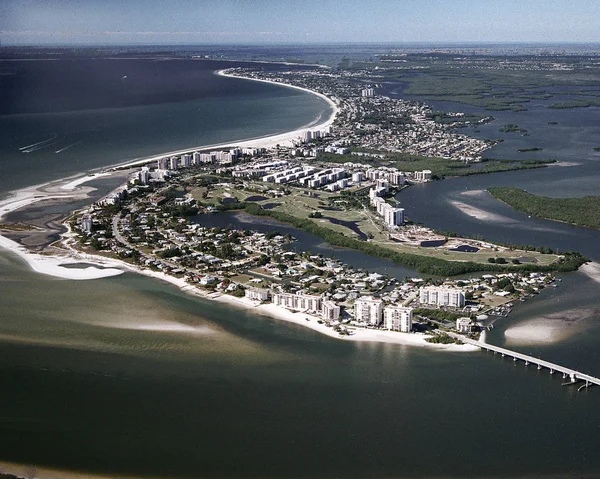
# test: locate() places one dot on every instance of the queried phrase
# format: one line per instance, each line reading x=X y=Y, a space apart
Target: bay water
x=130 y=376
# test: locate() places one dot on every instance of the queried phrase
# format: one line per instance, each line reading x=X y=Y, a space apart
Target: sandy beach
x=480 y=214
x=269 y=141
x=89 y=267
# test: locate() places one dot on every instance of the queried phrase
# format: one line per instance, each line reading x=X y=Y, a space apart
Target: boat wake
x=68 y=146
x=40 y=144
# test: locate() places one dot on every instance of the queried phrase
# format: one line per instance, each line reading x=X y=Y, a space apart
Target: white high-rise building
x=397 y=178
x=357 y=177
x=439 y=296
x=207 y=157
x=398 y=318
x=196 y=158
x=368 y=93
x=330 y=311
x=144 y=175
x=298 y=302
x=162 y=163
x=368 y=310
x=393 y=216
x=173 y=163
x=86 y=223
x=256 y=294
x=186 y=160
x=424 y=175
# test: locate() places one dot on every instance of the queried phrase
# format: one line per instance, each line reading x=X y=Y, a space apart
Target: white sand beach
x=102 y=267
x=480 y=214
x=591 y=270
x=270 y=141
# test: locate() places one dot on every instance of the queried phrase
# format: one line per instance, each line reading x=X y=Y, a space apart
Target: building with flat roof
x=440 y=296
x=330 y=311
x=463 y=325
x=368 y=310
x=398 y=318
x=298 y=302
x=256 y=294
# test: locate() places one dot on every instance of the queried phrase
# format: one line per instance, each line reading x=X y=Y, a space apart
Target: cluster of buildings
x=442 y=297
x=197 y=158
x=392 y=216
x=368 y=311
x=372 y=121
x=371 y=311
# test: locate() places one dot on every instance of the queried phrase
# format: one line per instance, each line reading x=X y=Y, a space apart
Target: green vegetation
x=438 y=314
x=578 y=211
x=525 y=150
x=565 y=105
x=440 y=167
x=597 y=148
x=422 y=263
x=512 y=128
x=443 y=338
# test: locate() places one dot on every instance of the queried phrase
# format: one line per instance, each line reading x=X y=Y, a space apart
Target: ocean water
x=130 y=376
x=60 y=117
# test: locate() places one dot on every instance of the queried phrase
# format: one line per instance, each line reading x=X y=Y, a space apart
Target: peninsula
x=338 y=179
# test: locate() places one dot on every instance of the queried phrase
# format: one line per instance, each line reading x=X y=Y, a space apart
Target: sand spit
x=591 y=270
x=480 y=214
x=552 y=328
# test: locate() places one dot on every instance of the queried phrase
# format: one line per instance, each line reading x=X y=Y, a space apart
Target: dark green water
x=130 y=376
x=230 y=394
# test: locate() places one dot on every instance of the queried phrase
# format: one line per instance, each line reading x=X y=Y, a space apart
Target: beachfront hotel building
x=330 y=311
x=162 y=163
x=256 y=294
x=298 y=302
x=439 y=296
x=368 y=310
x=398 y=318
x=463 y=325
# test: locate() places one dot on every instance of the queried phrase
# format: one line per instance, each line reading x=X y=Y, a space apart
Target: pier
x=571 y=375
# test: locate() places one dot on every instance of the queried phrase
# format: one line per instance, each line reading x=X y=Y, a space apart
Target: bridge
x=571 y=374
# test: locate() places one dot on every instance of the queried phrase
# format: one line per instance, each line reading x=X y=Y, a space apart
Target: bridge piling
x=570 y=376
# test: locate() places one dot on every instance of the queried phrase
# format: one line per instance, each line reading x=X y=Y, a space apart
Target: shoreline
x=266 y=141
x=270 y=310
x=102 y=267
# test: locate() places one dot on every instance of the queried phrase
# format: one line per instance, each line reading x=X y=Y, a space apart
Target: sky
x=122 y=22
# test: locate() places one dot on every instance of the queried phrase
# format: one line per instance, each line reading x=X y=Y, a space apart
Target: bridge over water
x=571 y=374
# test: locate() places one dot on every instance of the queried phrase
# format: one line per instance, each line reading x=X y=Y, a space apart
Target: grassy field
x=301 y=205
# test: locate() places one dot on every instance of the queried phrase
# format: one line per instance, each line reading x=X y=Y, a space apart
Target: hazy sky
x=284 y=21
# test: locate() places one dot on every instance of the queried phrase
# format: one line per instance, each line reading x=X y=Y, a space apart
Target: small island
x=527 y=150
x=512 y=128
x=583 y=211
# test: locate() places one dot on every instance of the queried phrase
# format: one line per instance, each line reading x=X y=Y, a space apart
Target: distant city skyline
x=39 y=22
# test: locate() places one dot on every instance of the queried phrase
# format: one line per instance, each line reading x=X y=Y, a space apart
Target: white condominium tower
x=440 y=296
x=368 y=310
